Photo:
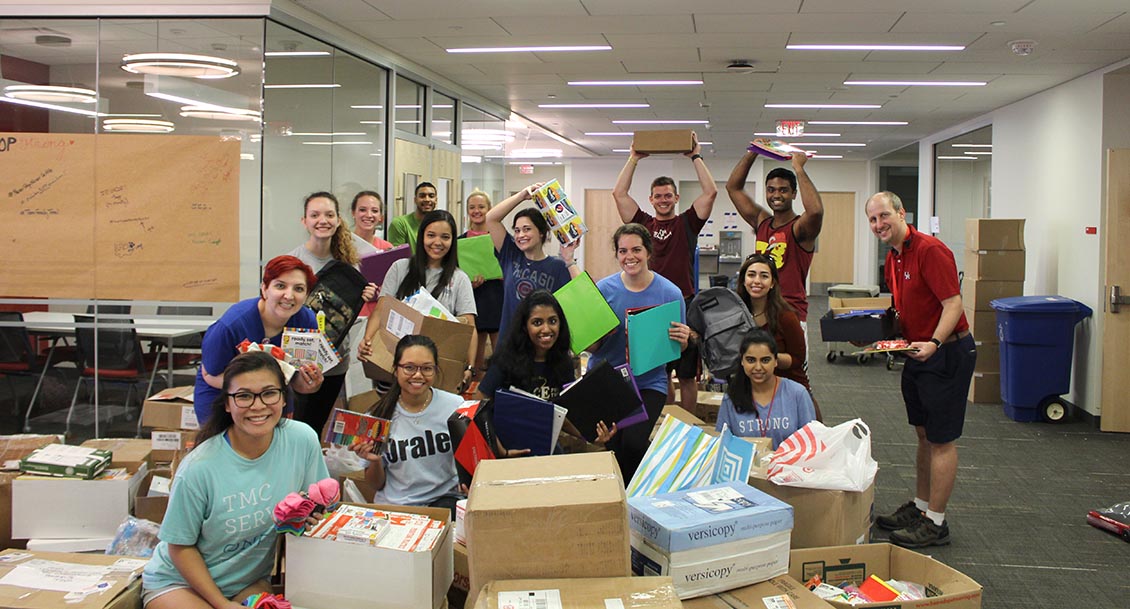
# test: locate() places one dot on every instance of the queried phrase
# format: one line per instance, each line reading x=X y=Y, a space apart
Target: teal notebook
x=648 y=344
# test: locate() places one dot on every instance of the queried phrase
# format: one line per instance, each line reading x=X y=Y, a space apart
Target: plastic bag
x=135 y=537
x=341 y=461
x=821 y=457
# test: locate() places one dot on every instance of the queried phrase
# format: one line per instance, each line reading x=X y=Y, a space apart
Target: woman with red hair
x=282 y=296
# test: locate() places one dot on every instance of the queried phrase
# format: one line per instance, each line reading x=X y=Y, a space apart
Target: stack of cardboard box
x=994 y=268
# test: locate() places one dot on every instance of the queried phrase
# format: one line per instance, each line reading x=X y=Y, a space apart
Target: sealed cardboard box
x=12 y=449
x=988 y=357
x=823 y=517
x=580 y=593
x=61 y=508
x=363 y=402
x=945 y=586
x=976 y=294
x=780 y=592
x=985 y=388
x=996 y=265
x=170 y=409
x=130 y=453
x=708 y=405
x=994 y=233
x=461 y=582
x=983 y=325
x=664 y=141
x=397 y=320
x=122 y=589
x=324 y=573
x=569 y=511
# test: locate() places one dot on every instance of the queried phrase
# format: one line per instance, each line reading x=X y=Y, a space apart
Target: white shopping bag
x=822 y=457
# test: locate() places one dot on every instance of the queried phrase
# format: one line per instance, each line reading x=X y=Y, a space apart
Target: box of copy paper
x=711 y=538
x=362 y=556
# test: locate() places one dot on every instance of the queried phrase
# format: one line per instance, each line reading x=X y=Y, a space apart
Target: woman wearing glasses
x=217 y=542
x=416 y=466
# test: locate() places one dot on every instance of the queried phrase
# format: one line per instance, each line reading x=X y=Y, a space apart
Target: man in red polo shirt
x=922 y=276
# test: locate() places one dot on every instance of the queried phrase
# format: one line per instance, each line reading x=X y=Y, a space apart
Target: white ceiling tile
x=768 y=40
x=1022 y=24
x=378 y=30
x=474 y=9
x=345 y=11
x=679 y=7
x=598 y=25
x=824 y=22
x=879 y=6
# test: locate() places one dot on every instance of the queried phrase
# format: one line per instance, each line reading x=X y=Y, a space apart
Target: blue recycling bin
x=1037 y=336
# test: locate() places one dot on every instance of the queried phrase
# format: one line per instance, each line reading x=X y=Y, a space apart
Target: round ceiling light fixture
x=220 y=114
x=180 y=64
x=50 y=93
x=137 y=125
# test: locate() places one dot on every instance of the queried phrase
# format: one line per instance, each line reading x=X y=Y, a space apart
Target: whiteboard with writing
x=119 y=216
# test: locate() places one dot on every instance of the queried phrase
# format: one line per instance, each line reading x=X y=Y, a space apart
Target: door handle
x=1116 y=298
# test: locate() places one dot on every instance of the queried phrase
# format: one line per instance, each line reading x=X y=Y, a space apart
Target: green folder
x=586 y=310
x=648 y=344
x=476 y=257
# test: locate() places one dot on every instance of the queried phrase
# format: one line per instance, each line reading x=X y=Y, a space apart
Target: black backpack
x=721 y=319
x=338 y=294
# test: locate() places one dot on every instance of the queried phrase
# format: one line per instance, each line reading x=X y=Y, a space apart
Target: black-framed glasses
x=269 y=397
x=412 y=369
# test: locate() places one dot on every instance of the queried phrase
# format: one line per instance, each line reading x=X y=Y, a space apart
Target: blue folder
x=522 y=421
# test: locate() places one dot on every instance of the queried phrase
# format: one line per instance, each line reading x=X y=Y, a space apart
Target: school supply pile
x=562 y=217
x=291 y=513
x=63 y=461
x=874 y=589
x=683 y=456
x=379 y=528
x=834 y=458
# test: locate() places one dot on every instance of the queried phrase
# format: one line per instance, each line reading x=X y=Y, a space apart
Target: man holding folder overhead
x=636 y=286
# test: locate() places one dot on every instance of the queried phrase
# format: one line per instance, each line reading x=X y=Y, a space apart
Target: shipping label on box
x=398 y=319
x=994 y=234
x=39 y=580
x=997 y=265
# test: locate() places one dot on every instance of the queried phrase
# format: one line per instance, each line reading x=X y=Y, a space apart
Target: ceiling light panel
x=180 y=64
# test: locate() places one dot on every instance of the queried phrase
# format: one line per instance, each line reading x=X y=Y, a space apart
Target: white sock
x=921 y=504
x=938 y=518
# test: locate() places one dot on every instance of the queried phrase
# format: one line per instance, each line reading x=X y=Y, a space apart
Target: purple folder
x=774 y=149
x=639 y=415
x=375 y=266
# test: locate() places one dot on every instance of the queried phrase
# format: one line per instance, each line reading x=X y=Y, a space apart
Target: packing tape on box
x=548 y=480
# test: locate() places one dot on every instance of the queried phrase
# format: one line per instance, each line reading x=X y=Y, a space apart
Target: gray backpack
x=720 y=317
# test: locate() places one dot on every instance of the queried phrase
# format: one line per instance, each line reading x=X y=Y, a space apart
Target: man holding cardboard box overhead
x=675 y=237
x=789 y=239
x=922 y=275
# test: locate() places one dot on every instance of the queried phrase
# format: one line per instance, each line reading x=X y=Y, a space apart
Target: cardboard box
x=997 y=265
x=994 y=234
x=710 y=539
x=66 y=461
x=983 y=325
x=169 y=447
x=147 y=507
x=976 y=294
x=580 y=593
x=363 y=402
x=985 y=388
x=170 y=409
x=664 y=141
x=123 y=589
x=945 y=586
x=569 y=511
x=678 y=413
x=766 y=594
x=988 y=357
x=130 y=453
x=461 y=582
x=12 y=449
x=823 y=517
x=59 y=508
x=862 y=329
x=396 y=320
x=324 y=573
x=707 y=406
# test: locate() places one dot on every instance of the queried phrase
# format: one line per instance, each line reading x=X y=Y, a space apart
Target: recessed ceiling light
x=774 y=134
x=827 y=156
x=482 y=146
x=974 y=153
x=832 y=106
x=306 y=86
x=220 y=114
x=998 y=23
x=535 y=153
x=661 y=121
x=609 y=133
x=367 y=107
x=336 y=143
x=889 y=123
x=295 y=53
x=834 y=144
x=956 y=158
x=180 y=64
x=137 y=125
x=50 y=93
x=371 y=122
x=632 y=83
x=539 y=49
x=534 y=163
x=875 y=47
x=594 y=105
x=470 y=159
x=326 y=134
x=972 y=145
x=621 y=150
x=915 y=83
x=246 y=156
x=47 y=106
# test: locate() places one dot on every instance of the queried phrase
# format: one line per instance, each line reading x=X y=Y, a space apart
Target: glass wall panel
x=482 y=139
x=443 y=118
x=409 y=106
x=962 y=180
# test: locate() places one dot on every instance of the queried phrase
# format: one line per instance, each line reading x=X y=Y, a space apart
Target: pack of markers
x=348 y=428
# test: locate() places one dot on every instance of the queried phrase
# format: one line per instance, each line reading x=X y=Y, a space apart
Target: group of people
x=217 y=539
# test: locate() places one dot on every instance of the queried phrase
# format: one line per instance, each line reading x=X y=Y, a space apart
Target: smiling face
x=258 y=420
x=664 y=200
x=283 y=297
x=632 y=255
x=367 y=214
x=477 y=209
x=758 y=363
x=543 y=326
x=437 y=242
x=779 y=194
x=886 y=223
x=420 y=361
x=321 y=219
x=758 y=280
x=425 y=200
x=526 y=235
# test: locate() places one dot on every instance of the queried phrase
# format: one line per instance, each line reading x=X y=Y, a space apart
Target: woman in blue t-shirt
x=525 y=265
x=757 y=401
x=217 y=542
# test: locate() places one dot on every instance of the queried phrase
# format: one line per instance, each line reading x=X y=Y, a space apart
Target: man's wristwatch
x=695 y=156
x=937 y=343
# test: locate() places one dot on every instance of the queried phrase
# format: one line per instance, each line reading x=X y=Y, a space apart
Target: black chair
x=110 y=353
x=17 y=357
x=186 y=349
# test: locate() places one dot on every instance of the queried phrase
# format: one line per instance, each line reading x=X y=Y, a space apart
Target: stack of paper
x=66 y=461
x=379 y=528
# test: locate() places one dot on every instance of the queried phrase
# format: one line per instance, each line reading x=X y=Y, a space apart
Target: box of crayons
x=348 y=428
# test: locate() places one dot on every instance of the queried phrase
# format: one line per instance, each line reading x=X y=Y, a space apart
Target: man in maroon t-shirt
x=674 y=237
x=922 y=275
x=788 y=238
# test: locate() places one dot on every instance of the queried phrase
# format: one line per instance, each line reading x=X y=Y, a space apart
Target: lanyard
x=763 y=424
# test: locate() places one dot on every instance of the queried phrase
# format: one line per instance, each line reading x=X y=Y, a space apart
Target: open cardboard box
x=857 y=329
x=326 y=573
x=122 y=590
x=70 y=508
x=397 y=320
x=768 y=593
x=581 y=593
x=170 y=409
x=130 y=453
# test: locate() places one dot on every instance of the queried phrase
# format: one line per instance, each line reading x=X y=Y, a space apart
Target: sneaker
x=905 y=516
x=921 y=534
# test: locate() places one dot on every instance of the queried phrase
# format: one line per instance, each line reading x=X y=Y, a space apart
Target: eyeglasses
x=412 y=369
x=269 y=397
